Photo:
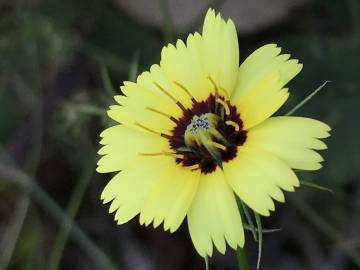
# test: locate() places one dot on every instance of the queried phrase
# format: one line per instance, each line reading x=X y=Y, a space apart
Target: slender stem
x=87 y=109
x=134 y=66
x=249 y=220
x=53 y=209
x=260 y=238
x=107 y=81
x=316 y=186
x=48 y=204
x=248 y=228
x=305 y=100
x=11 y=235
x=207 y=263
x=73 y=207
x=242 y=259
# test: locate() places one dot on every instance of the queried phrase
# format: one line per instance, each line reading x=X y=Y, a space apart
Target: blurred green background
x=60 y=64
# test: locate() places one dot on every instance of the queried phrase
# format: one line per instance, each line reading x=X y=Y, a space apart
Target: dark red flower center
x=207 y=134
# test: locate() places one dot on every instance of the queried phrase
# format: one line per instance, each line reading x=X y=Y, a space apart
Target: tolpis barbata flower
x=197 y=130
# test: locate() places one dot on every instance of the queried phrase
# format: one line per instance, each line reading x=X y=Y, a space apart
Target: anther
x=217 y=145
x=170 y=96
x=165 y=136
x=234 y=124
x=185 y=90
x=225 y=105
x=193 y=167
x=214 y=132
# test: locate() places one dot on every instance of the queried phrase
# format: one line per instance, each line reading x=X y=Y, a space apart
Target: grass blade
x=316 y=186
x=305 y=100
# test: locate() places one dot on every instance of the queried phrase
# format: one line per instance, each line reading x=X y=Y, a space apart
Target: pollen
x=201 y=122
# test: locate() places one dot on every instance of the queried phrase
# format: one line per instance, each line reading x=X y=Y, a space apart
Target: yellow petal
x=220 y=50
x=265 y=99
x=183 y=65
x=214 y=216
x=132 y=113
x=123 y=145
x=255 y=176
x=291 y=139
x=170 y=199
x=202 y=56
x=136 y=191
x=158 y=82
x=129 y=188
x=261 y=63
x=150 y=97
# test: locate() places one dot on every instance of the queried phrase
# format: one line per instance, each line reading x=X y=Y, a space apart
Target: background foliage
x=60 y=64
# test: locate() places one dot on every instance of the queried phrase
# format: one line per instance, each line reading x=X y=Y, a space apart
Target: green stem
x=242 y=259
x=316 y=186
x=12 y=232
x=305 y=100
x=260 y=238
x=134 y=66
x=249 y=220
x=73 y=207
x=53 y=209
x=107 y=81
x=48 y=204
x=207 y=263
x=87 y=109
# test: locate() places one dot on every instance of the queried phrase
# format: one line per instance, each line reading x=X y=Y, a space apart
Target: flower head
x=196 y=131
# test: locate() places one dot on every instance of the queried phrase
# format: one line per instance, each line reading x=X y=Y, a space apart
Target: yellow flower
x=197 y=129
